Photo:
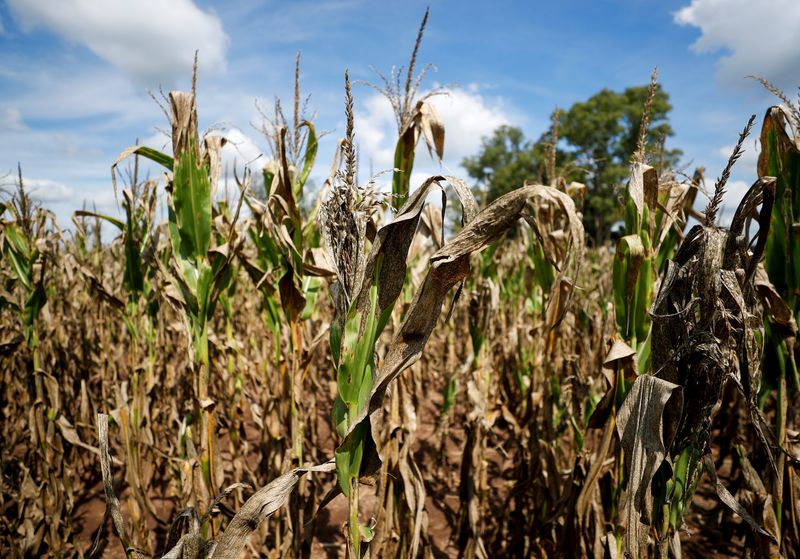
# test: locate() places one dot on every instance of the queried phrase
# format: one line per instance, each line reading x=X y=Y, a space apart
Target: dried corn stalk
x=706 y=325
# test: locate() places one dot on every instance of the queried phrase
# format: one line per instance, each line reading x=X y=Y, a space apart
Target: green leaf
x=18 y=241
x=367 y=533
x=20 y=269
x=112 y=220
x=628 y=260
x=149 y=153
x=191 y=200
x=203 y=291
x=449 y=396
x=33 y=306
x=403 y=163
x=308 y=159
x=348 y=457
x=339 y=416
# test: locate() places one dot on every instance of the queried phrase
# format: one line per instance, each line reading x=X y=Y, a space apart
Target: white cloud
x=376 y=133
x=11 y=119
x=734 y=192
x=152 y=40
x=746 y=165
x=46 y=190
x=760 y=38
x=242 y=150
x=467 y=115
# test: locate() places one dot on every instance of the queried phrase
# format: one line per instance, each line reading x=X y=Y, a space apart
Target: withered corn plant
x=516 y=290
x=284 y=267
x=574 y=402
x=706 y=331
x=282 y=235
x=28 y=246
x=198 y=271
x=369 y=282
x=655 y=216
x=401 y=491
x=139 y=311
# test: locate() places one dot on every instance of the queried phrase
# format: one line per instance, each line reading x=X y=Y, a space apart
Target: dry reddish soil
x=710 y=533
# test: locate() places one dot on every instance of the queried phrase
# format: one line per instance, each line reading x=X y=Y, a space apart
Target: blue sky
x=75 y=74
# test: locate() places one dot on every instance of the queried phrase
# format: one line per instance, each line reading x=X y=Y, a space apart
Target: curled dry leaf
x=774 y=304
x=426 y=120
x=726 y=497
x=255 y=510
x=646 y=423
x=262 y=504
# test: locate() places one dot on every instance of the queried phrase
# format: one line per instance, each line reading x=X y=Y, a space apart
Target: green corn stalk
x=654 y=221
x=198 y=271
x=23 y=256
x=353 y=352
x=140 y=310
x=27 y=264
x=265 y=269
x=780 y=158
x=634 y=264
x=364 y=301
x=22 y=242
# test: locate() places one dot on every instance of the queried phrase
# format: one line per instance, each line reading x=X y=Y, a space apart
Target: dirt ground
x=709 y=534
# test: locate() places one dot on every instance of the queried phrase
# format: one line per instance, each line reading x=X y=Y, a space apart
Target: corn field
x=348 y=372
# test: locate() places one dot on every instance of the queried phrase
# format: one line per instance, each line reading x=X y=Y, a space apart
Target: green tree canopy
x=505 y=161
x=597 y=139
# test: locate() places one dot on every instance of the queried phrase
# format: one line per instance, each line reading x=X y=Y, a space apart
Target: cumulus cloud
x=151 y=40
x=241 y=150
x=759 y=38
x=468 y=117
x=746 y=165
x=47 y=191
x=376 y=132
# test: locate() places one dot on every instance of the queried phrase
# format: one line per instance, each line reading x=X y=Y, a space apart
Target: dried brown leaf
x=262 y=504
x=645 y=434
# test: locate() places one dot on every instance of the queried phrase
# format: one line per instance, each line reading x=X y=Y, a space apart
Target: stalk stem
x=355 y=532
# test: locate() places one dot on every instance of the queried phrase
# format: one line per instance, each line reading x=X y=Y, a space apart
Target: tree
x=596 y=139
x=505 y=161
